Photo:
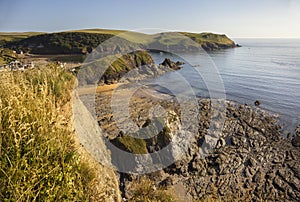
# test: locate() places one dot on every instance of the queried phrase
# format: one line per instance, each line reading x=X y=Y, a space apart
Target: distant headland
x=84 y=41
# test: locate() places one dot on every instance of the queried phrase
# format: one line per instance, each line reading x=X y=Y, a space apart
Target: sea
x=267 y=70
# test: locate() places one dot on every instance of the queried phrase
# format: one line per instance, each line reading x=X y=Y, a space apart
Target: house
x=19 y=52
x=40 y=46
x=15 y=65
x=19 y=66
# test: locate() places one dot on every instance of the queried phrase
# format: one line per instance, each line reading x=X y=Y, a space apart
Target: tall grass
x=38 y=161
x=144 y=190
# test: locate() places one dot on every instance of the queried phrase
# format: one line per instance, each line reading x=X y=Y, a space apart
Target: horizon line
x=133 y=30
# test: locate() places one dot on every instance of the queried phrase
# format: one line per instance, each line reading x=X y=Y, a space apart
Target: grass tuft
x=144 y=190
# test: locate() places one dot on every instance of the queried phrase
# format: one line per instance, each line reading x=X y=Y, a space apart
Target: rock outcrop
x=137 y=66
x=124 y=64
x=173 y=65
x=211 y=42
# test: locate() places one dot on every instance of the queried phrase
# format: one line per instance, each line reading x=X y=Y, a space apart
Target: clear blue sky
x=236 y=18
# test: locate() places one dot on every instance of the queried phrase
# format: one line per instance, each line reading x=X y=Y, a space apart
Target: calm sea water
x=262 y=69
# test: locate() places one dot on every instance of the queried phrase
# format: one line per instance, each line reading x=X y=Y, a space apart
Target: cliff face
x=92 y=151
x=190 y=42
x=210 y=41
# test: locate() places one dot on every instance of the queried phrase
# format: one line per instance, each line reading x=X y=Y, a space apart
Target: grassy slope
x=11 y=36
x=99 y=31
x=78 y=41
x=146 y=39
x=169 y=40
x=38 y=157
x=209 y=37
x=117 y=66
x=60 y=43
x=135 y=37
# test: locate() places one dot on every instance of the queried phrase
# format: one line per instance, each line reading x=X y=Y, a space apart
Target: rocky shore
x=228 y=151
x=250 y=160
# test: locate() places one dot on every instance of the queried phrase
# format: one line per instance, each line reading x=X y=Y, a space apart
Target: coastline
x=250 y=151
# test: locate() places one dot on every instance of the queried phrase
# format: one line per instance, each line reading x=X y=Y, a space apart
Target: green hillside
x=60 y=43
x=84 y=41
x=118 y=66
x=99 y=31
x=13 y=36
x=218 y=40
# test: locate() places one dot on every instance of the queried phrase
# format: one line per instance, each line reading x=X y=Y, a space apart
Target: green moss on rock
x=131 y=144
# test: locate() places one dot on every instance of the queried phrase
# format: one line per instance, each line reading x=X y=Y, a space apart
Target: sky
x=236 y=18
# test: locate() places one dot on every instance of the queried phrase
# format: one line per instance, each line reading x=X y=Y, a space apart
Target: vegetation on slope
x=117 y=67
x=100 y=31
x=6 y=56
x=168 y=38
x=144 y=190
x=60 y=43
x=131 y=144
x=6 y=37
x=184 y=41
x=128 y=62
x=210 y=40
x=84 y=41
x=38 y=160
x=209 y=37
x=14 y=36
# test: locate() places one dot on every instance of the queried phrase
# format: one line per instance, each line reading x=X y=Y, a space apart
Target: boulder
x=257 y=103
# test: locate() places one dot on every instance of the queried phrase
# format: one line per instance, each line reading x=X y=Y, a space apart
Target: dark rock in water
x=179 y=63
x=296 y=139
x=169 y=63
x=238 y=45
x=257 y=103
x=298 y=130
